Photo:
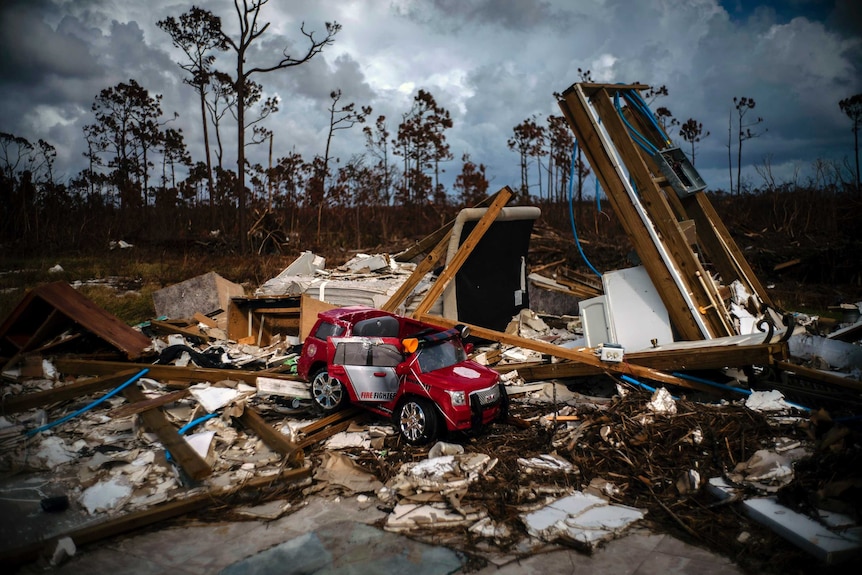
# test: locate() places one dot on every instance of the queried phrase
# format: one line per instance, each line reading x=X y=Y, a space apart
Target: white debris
x=106 y=495
x=662 y=402
x=442 y=448
x=346 y=440
x=489 y=529
x=56 y=269
x=201 y=442
x=65 y=548
x=581 y=519
x=53 y=452
x=767 y=401
x=213 y=398
x=546 y=462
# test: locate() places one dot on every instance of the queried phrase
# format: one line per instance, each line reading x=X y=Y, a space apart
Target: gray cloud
x=491 y=63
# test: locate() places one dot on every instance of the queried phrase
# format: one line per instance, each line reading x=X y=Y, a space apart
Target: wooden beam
x=169 y=372
x=427 y=264
x=712 y=357
x=624 y=368
x=315 y=426
x=168 y=327
x=817 y=375
x=152 y=403
x=718 y=243
x=273 y=439
x=27 y=401
x=155 y=421
x=138 y=519
x=464 y=251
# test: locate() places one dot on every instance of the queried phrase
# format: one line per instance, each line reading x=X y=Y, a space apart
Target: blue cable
x=598 y=197
x=572 y=210
x=635 y=98
x=639 y=139
x=633 y=381
x=729 y=388
x=195 y=422
x=105 y=397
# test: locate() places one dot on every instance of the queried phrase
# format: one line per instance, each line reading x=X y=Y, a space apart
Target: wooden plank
x=315 y=426
x=575 y=110
x=168 y=327
x=152 y=403
x=273 y=439
x=156 y=422
x=138 y=519
x=817 y=375
x=724 y=252
x=713 y=357
x=27 y=401
x=324 y=434
x=206 y=320
x=585 y=357
x=427 y=264
x=71 y=366
x=464 y=251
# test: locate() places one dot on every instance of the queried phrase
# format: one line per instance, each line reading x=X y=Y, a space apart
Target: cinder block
x=204 y=294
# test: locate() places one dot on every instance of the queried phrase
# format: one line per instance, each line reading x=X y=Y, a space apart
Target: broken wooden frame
x=652 y=214
x=47 y=312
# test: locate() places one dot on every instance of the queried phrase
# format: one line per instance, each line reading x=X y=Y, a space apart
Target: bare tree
x=250 y=30
x=471 y=183
x=340 y=118
x=744 y=105
x=421 y=140
x=852 y=106
x=692 y=132
x=377 y=143
x=197 y=33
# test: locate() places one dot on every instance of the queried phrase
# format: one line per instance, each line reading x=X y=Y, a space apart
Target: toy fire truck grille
x=488 y=396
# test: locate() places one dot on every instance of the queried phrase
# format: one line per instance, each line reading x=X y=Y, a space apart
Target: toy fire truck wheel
x=327 y=392
x=417 y=420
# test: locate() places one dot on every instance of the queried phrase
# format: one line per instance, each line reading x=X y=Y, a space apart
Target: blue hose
x=195 y=422
x=105 y=397
x=729 y=388
x=572 y=210
x=638 y=138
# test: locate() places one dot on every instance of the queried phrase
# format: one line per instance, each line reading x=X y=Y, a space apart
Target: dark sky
x=492 y=64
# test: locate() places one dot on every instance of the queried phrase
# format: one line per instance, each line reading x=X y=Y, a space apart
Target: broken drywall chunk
x=580 y=519
x=106 y=495
x=213 y=398
x=409 y=516
x=339 y=469
x=282 y=387
x=831 y=547
x=767 y=401
x=53 y=452
x=765 y=470
x=64 y=549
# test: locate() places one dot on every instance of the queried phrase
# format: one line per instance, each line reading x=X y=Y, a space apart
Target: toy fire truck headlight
x=457 y=397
